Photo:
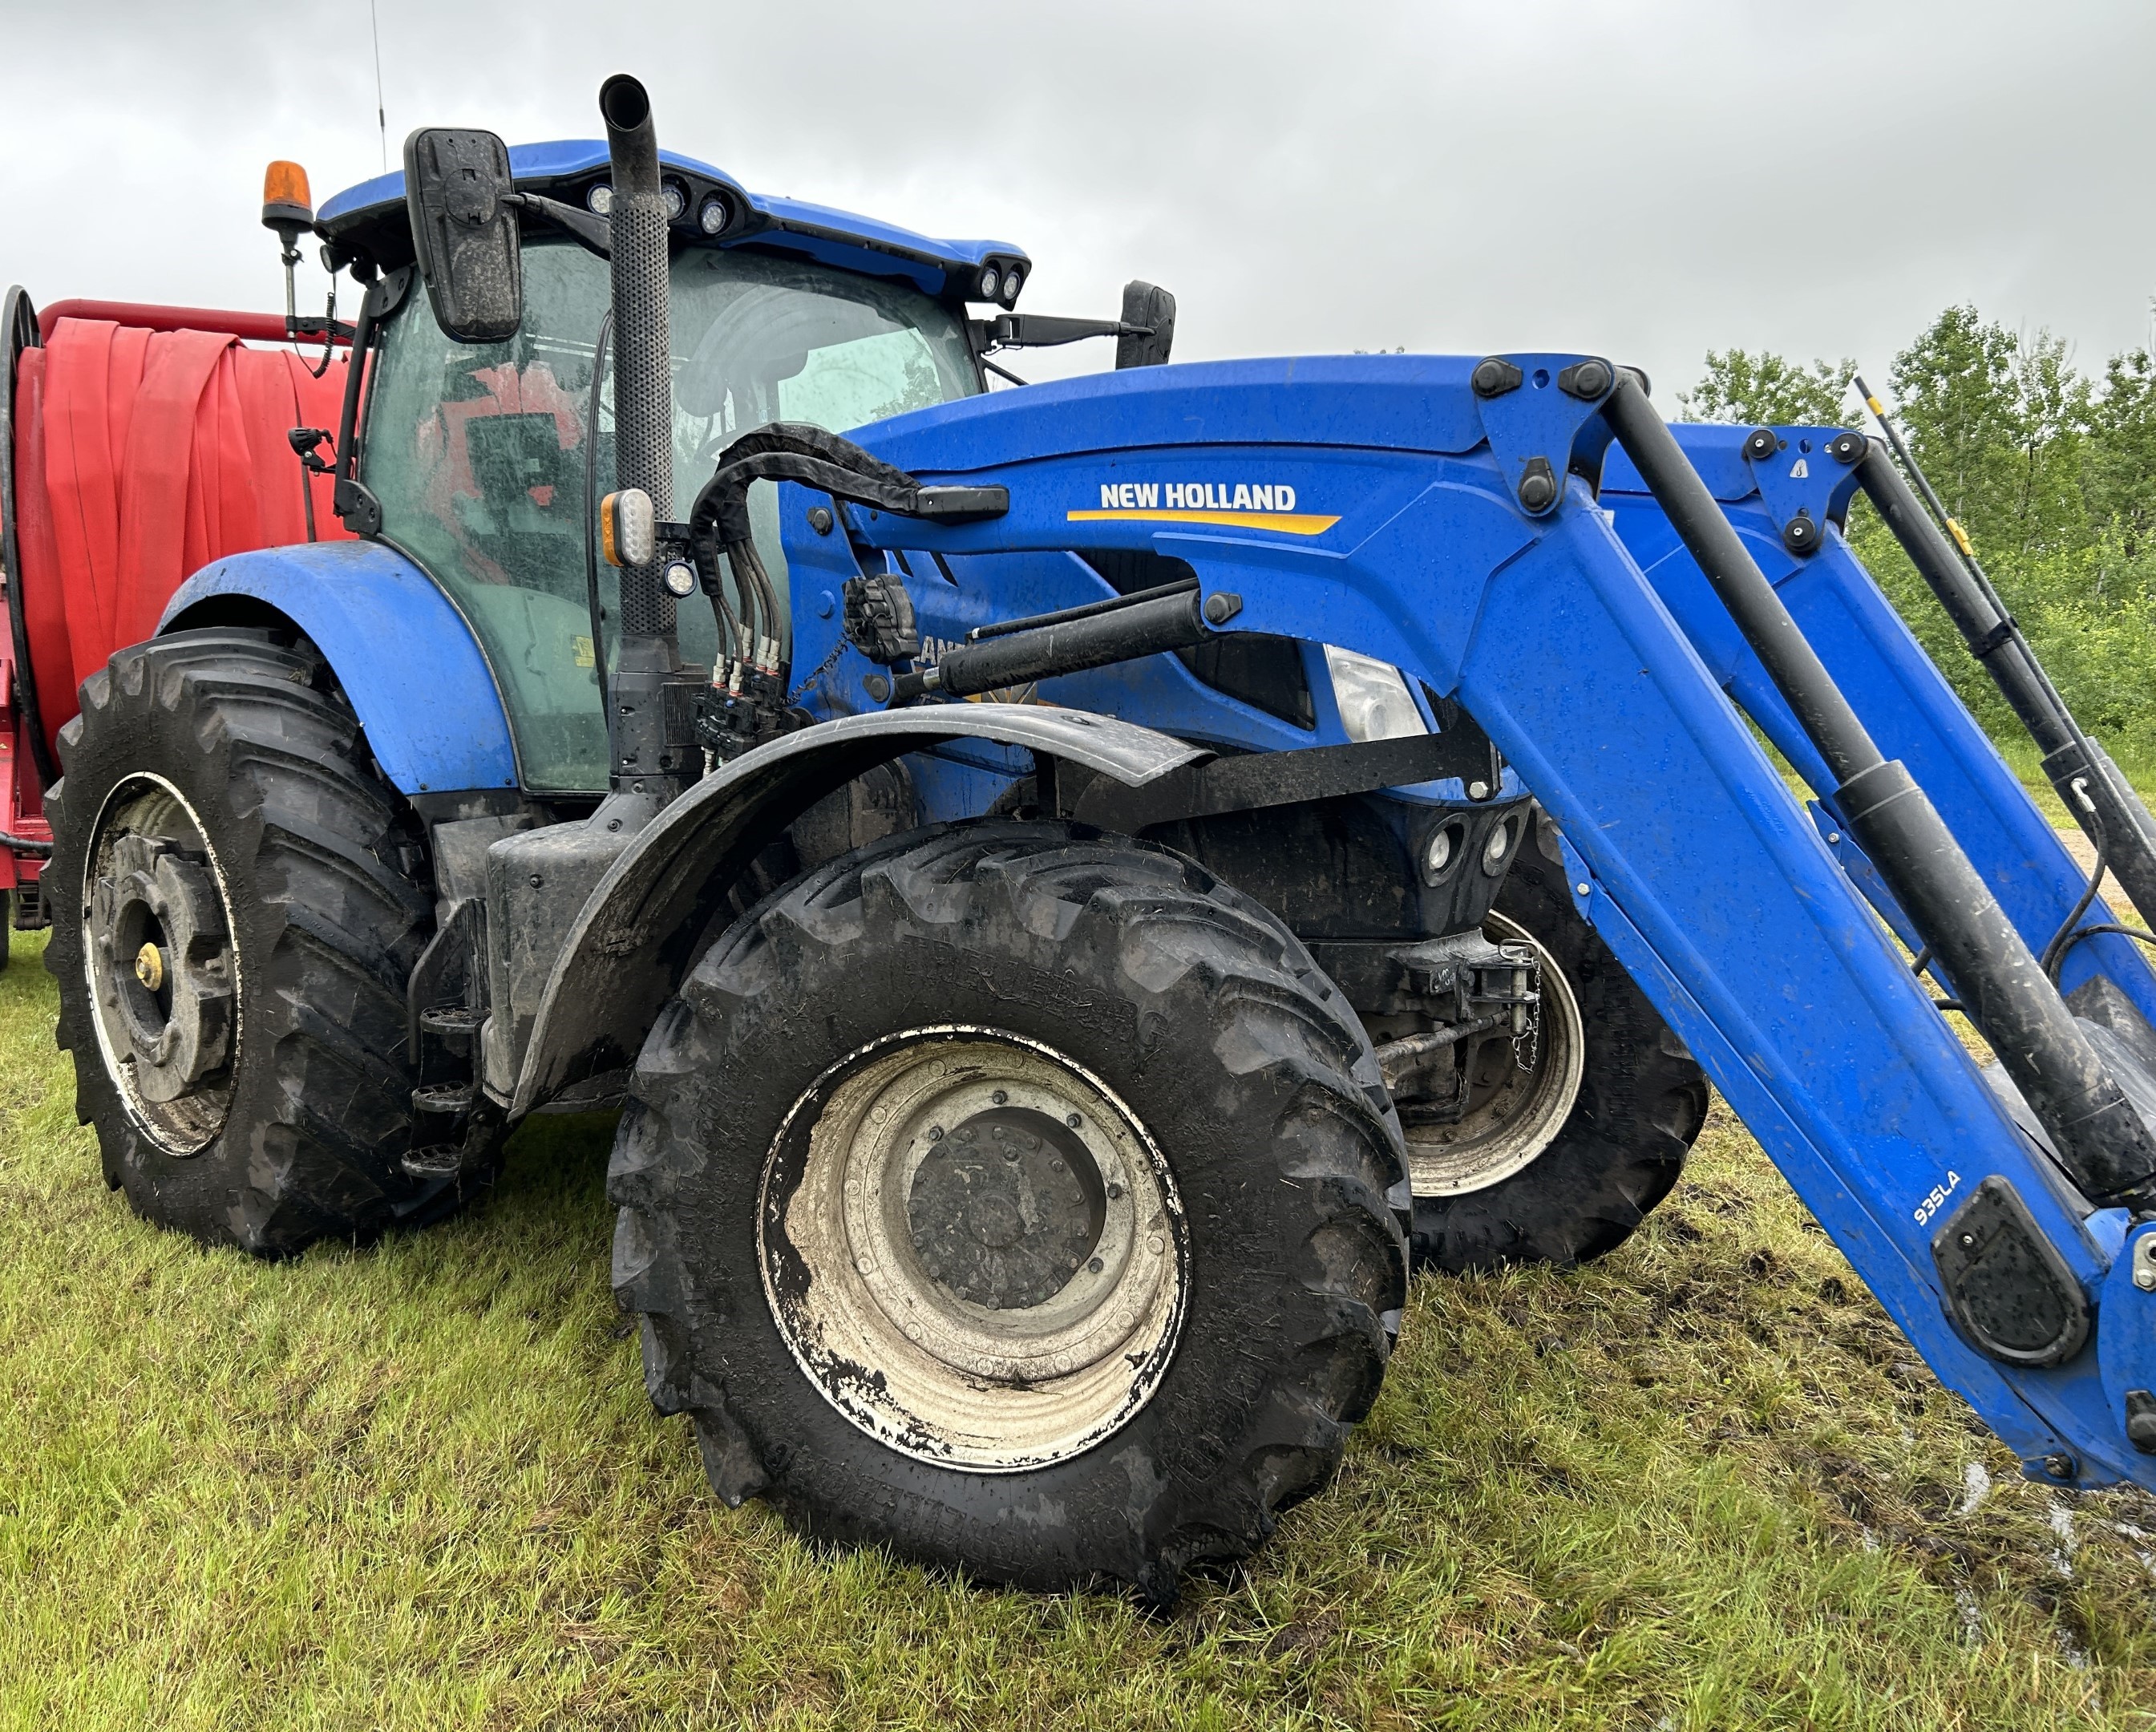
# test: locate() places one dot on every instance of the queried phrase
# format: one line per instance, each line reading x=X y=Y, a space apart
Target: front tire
x=1589 y=1141
x=234 y=923
x=1017 y=1197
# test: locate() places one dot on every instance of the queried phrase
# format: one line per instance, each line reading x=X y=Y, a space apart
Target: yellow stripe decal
x=1286 y=522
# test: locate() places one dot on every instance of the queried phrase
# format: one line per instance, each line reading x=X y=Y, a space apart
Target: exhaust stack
x=643 y=418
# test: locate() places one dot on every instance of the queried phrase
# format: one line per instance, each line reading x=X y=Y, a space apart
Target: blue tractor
x=1076 y=884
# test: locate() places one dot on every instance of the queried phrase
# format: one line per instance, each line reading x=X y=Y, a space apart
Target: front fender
x=404 y=655
x=642 y=927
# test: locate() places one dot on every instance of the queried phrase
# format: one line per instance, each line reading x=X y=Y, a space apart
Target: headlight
x=991 y=282
x=1012 y=278
x=1494 y=849
x=713 y=216
x=1373 y=699
x=600 y=200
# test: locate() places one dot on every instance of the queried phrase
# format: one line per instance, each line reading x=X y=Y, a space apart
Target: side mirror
x=458 y=194
x=1152 y=310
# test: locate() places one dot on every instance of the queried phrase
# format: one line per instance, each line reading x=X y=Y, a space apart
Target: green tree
x=1997 y=424
x=2051 y=474
x=2119 y=464
x=1765 y=390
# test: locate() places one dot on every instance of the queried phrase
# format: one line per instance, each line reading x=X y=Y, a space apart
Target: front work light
x=1373 y=699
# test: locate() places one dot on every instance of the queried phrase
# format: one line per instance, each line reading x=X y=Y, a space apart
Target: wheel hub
x=974 y=1249
x=163 y=978
x=1514 y=1112
x=1006 y=1209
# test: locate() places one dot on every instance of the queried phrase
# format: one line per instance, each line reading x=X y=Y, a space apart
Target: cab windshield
x=477 y=451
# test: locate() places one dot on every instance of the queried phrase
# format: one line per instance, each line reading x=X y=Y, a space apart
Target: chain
x=1527 y=1046
x=823 y=668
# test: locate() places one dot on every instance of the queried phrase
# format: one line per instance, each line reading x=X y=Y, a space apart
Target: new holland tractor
x=1077 y=884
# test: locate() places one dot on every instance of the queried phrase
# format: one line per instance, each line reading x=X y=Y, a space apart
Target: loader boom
x=1413 y=545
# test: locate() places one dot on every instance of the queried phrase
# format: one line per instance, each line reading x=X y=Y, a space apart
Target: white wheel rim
x=870 y=1294
x=1504 y=1134
x=189 y=1123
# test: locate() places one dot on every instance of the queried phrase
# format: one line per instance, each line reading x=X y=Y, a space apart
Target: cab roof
x=369 y=220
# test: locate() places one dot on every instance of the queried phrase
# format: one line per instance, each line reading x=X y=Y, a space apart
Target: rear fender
x=407 y=660
x=648 y=919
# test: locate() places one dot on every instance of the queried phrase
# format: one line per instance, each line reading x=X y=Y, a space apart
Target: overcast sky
x=1646 y=181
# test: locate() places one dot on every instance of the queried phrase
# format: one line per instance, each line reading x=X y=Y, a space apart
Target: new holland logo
x=1233 y=504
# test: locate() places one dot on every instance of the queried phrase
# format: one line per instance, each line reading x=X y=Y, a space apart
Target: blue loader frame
x=1607 y=688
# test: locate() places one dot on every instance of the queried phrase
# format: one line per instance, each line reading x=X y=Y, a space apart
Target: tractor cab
x=482 y=456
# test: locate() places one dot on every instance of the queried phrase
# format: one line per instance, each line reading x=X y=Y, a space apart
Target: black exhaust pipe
x=643 y=418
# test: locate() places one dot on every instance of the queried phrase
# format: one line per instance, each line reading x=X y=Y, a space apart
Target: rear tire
x=889 y=1376
x=1636 y=1107
x=228 y=877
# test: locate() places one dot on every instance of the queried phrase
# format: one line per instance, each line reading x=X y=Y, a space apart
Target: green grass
x=1703 y=1484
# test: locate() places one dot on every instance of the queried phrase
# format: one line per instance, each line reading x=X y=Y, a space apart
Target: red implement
x=148 y=442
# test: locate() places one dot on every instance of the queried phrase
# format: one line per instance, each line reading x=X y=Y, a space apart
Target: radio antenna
x=381 y=113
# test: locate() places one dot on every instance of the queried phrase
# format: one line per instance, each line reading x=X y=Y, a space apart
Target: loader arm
x=1904 y=700
x=1382 y=505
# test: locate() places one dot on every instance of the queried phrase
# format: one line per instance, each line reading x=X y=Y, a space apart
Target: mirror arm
x=1039 y=331
x=595 y=234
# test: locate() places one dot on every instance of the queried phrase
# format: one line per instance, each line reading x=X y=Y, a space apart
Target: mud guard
x=651 y=914
x=411 y=666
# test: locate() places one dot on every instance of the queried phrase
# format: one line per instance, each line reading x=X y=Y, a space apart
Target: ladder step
x=449 y=1098
x=438 y=1160
x=452 y=1019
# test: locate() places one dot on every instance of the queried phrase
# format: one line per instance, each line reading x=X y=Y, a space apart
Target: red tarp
x=141 y=457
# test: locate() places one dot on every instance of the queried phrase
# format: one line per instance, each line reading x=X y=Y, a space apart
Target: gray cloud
x=1644 y=180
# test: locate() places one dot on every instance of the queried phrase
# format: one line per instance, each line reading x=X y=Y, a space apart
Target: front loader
x=1070 y=880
